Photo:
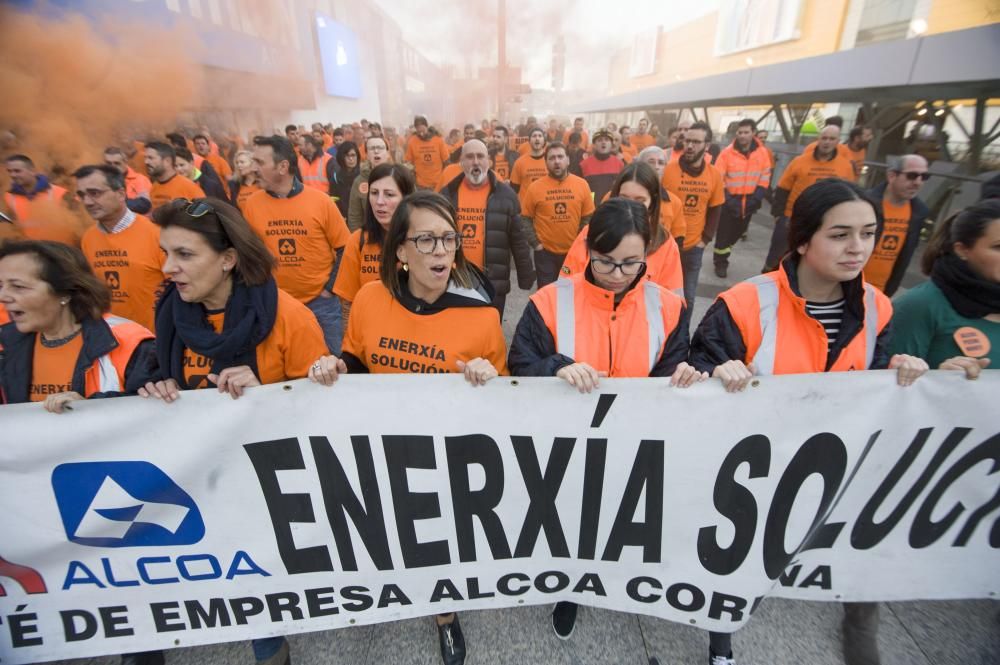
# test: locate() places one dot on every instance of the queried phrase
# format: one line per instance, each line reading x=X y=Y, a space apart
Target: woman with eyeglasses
x=607 y=321
x=387 y=185
x=429 y=313
x=638 y=182
x=61 y=344
x=816 y=313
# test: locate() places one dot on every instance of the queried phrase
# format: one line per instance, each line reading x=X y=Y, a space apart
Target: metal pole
x=976 y=140
x=501 y=55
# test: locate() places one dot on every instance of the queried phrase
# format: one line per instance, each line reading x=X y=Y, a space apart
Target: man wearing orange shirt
x=857 y=148
x=303 y=229
x=699 y=186
x=529 y=167
x=489 y=219
x=38 y=208
x=503 y=157
x=642 y=139
x=137 y=186
x=427 y=153
x=904 y=214
x=168 y=184
x=555 y=208
x=123 y=248
x=818 y=161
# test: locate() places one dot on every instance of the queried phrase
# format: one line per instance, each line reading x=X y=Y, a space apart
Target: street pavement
x=781 y=632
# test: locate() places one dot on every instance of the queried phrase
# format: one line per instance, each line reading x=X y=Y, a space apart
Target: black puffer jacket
x=504 y=235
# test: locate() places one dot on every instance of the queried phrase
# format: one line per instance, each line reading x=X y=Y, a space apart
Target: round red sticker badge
x=363 y=188
x=972 y=342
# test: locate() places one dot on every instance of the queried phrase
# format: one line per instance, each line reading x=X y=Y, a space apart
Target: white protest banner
x=130 y=524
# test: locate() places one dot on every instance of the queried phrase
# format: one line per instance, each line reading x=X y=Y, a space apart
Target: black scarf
x=250 y=315
x=972 y=296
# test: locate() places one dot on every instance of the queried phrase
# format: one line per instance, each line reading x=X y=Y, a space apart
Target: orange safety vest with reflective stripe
x=314 y=174
x=107 y=373
x=781 y=337
x=743 y=174
x=41 y=229
x=623 y=341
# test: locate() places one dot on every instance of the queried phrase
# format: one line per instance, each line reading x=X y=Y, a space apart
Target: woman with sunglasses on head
x=387 y=185
x=223 y=321
x=638 y=182
x=814 y=314
x=620 y=323
x=429 y=313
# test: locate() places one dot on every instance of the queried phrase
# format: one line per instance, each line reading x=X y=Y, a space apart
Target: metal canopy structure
x=953 y=65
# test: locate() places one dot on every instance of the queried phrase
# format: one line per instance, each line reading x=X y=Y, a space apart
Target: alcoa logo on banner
x=124 y=504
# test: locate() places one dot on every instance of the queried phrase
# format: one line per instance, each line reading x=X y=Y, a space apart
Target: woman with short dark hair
x=61 y=344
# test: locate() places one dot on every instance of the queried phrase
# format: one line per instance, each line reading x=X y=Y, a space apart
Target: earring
x=454 y=265
x=63 y=302
x=224 y=268
x=406 y=267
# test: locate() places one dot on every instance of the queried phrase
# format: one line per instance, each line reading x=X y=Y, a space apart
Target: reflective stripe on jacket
x=782 y=338
x=313 y=173
x=742 y=173
x=624 y=341
x=107 y=373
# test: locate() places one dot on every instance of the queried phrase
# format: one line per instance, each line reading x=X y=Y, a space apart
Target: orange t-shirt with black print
x=527 y=169
x=472 y=220
x=390 y=339
x=52 y=369
x=894 y=232
x=501 y=167
x=449 y=173
x=359 y=265
x=295 y=342
x=428 y=158
x=806 y=170
x=556 y=208
x=178 y=187
x=303 y=232
x=130 y=262
x=697 y=194
x=245 y=192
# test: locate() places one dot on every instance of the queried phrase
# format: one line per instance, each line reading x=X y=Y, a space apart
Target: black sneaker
x=452 y=643
x=721 y=270
x=564 y=619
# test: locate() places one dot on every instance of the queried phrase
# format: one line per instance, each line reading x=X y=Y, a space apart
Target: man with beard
x=555 y=208
x=600 y=169
x=488 y=216
x=167 y=183
x=529 y=167
x=503 y=157
x=821 y=159
x=857 y=147
x=642 y=139
x=746 y=175
x=427 y=153
x=699 y=186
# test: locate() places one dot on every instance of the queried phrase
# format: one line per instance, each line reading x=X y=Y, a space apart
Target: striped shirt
x=829 y=314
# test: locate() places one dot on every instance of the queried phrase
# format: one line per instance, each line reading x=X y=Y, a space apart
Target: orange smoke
x=69 y=92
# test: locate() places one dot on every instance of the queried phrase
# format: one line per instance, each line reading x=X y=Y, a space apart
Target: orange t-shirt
x=4 y=316
x=303 y=232
x=245 y=192
x=45 y=216
x=471 y=220
x=501 y=167
x=584 y=136
x=449 y=173
x=883 y=258
x=806 y=170
x=857 y=158
x=641 y=141
x=294 y=344
x=358 y=266
x=527 y=169
x=389 y=339
x=556 y=208
x=136 y=184
x=52 y=369
x=428 y=158
x=178 y=187
x=130 y=263
x=524 y=148
x=697 y=195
